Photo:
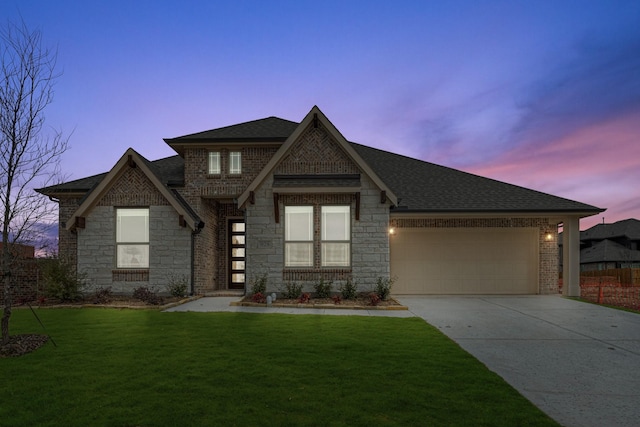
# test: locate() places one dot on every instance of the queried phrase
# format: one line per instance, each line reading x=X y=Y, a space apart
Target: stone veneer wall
x=547 y=248
x=317 y=153
x=169 y=243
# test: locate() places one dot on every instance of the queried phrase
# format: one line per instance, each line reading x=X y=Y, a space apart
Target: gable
x=316 y=152
x=115 y=189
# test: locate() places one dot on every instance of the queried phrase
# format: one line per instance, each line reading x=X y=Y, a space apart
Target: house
x=297 y=202
x=610 y=246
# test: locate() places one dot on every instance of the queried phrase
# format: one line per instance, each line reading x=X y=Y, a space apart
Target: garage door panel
x=465 y=261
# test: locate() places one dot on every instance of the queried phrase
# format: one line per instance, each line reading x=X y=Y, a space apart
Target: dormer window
x=235 y=163
x=214 y=163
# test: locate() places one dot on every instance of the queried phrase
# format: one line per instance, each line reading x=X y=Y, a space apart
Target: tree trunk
x=6 y=315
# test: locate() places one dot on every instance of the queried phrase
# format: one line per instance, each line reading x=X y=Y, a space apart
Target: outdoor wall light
x=548 y=237
x=392 y=231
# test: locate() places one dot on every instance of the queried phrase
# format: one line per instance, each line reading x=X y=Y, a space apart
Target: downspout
x=199 y=227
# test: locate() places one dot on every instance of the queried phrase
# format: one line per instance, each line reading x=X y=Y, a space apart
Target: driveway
x=578 y=362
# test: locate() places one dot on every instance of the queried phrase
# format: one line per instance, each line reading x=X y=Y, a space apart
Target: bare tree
x=29 y=153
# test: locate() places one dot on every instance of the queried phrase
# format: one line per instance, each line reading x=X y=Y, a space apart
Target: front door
x=236 y=253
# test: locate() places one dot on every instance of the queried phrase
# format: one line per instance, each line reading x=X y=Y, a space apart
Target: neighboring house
x=609 y=246
x=297 y=202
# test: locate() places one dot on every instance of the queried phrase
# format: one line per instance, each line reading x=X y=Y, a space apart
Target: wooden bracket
x=357 y=206
x=276 y=207
x=252 y=197
x=182 y=221
x=131 y=162
x=80 y=222
x=315 y=120
x=383 y=196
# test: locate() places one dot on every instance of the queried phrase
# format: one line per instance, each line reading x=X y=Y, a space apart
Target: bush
x=383 y=288
x=349 y=289
x=304 y=298
x=150 y=296
x=259 y=285
x=177 y=285
x=291 y=290
x=61 y=281
x=323 y=289
x=259 y=298
x=102 y=295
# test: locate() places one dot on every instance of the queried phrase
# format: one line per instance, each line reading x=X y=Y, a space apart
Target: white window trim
x=290 y=243
x=325 y=242
x=139 y=246
x=214 y=156
x=233 y=168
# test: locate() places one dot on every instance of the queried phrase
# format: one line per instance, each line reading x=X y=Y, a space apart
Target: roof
x=170 y=171
x=419 y=186
x=268 y=129
x=608 y=251
x=426 y=187
x=629 y=228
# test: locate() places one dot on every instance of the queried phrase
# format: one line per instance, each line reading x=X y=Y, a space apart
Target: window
x=235 y=162
x=132 y=238
x=336 y=236
x=214 y=163
x=298 y=236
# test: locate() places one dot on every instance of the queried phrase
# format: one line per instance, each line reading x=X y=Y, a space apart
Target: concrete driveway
x=578 y=362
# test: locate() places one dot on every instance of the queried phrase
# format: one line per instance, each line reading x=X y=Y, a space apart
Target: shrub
x=291 y=290
x=61 y=281
x=177 y=285
x=259 y=298
x=150 y=296
x=336 y=299
x=349 y=289
x=374 y=299
x=323 y=289
x=304 y=298
x=102 y=295
x=383 y=287
x=259 y=285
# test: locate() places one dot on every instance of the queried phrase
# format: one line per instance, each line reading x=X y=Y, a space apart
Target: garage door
x=465 y=261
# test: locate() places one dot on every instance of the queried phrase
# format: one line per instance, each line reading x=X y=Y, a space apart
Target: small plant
x=102 y=295
x=374 y=299
x=62 y=281
x=259 y=285
x=304 y=298
x=349 y=289
x=291 y=290
x=383 y=287
x=323 y=289
x=150 y=296
x=259 y=298
x=336 y=299
x=177 y=285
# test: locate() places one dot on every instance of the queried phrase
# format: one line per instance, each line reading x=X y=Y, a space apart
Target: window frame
x=326 y=242
x=218 y=157
x=122 y=242
x=291 y=240
x=235 y=169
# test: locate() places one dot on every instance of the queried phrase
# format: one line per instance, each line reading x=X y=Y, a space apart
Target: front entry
x=236 y=253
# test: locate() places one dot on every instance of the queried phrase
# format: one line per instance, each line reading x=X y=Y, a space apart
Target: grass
x=147 y=368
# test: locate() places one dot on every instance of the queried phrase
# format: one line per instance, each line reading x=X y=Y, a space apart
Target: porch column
x=571 y=257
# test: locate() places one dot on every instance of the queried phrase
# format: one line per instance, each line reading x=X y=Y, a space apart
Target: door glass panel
x=237 y=252
x=237 y=240
x=237 y=278
x=237 y=227
x=237 y=265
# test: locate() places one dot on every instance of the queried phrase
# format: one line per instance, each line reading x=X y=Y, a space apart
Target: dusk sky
x=542 y=94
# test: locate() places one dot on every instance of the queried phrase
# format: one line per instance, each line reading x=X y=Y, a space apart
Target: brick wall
x=547 y=247
x=25 y=278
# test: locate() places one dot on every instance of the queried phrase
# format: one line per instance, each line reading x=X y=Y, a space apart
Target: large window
x=132 y=238
x=235 y=162
x=334 y=245
x=336 y=236
x=298 y=236
x=214 y=163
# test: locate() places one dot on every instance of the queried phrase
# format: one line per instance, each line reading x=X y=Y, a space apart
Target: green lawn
x=146 y=368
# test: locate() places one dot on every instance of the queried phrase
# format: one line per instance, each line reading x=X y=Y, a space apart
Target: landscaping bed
x=362 y=302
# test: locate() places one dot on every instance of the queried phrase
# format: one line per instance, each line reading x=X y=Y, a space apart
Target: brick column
x=571 y=257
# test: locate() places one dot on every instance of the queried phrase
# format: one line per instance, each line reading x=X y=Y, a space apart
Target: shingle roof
x=426 y=187
x=268 y=129
x=608 y=251
x=420 y=186
x=629 y=228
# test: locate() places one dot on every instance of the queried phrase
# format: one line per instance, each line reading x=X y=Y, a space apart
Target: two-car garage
x=465 y=260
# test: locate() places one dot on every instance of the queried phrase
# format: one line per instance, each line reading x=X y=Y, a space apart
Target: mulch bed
x=20 y=345
x=361 y=302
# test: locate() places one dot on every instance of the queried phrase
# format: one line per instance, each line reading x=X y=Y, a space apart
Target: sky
x=541 y=94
